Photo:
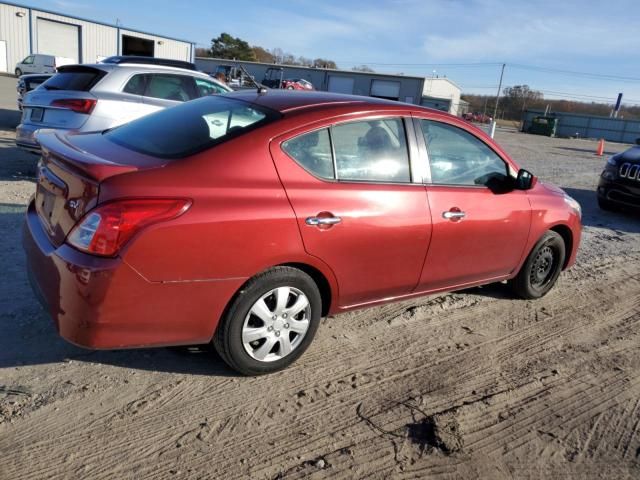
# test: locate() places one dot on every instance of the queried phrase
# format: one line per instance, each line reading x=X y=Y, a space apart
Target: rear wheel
x=542 y=267
x=18 y=72
x=289 y=87
x=270 y=323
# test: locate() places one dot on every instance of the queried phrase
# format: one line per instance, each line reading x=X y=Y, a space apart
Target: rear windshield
x=80 y=79
x=190 y=128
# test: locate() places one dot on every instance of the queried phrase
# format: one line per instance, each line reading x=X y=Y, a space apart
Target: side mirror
x=525 y=180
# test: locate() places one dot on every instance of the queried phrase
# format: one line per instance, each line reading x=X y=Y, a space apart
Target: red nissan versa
x=243 y=219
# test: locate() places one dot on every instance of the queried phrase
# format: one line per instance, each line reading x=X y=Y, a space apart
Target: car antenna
x=261 y=88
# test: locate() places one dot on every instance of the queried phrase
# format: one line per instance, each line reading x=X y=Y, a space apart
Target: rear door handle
x=453 y=215
x=322 y=220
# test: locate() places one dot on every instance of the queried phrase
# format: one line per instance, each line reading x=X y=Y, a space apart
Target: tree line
x=234 y=48
x=515 y=100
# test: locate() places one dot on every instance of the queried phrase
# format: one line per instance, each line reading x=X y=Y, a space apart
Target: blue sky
x=418 y=37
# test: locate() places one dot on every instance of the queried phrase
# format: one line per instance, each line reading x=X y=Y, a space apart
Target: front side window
x=372 y=150
x=313 y=152
x=28 y=60
x=204 y=87
x=169 y=87
x=457 y=157
x=191 y=127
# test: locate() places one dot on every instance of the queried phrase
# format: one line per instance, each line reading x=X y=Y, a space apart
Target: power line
x=574 y=73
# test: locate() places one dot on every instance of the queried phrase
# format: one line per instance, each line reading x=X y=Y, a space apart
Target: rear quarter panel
x=240 y=222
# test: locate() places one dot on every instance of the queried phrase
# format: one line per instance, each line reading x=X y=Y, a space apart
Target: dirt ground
x=466 y=385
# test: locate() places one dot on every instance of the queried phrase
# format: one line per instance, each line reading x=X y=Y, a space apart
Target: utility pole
x=495 y=110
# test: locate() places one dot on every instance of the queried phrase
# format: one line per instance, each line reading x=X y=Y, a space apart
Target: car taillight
x=105 y=229
x=80 y=105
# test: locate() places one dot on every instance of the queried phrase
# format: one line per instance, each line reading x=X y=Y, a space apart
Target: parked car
x=39 y=63
x=26 y=83
x=477 y=117
x=297 y=84
x=619 y=184
x=99 y=96
x=242 y=219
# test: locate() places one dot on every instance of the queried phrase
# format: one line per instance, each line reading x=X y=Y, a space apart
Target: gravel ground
x=464 y=385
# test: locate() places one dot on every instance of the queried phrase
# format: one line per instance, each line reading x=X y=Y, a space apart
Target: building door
x=388 y=89
x=58 y=39
x=340 y=84
x=137 y=46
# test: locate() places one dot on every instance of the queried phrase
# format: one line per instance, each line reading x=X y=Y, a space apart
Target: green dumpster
x=544 y=126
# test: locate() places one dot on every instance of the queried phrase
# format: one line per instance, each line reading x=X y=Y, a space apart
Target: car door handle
x=322 y=220
x=453 y=215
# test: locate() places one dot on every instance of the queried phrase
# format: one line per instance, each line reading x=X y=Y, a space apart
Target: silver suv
x=95 y=97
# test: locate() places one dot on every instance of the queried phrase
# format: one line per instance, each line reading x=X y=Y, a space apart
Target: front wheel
x=542 y=267
x=18 y=72
x=270 y=322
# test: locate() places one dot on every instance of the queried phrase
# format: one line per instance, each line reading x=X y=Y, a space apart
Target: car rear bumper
x=619 y=193
x=103 y=303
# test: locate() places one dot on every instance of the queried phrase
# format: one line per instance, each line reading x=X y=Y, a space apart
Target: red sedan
x=243 y=219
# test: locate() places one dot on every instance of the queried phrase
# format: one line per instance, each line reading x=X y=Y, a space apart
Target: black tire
x=228 y=337
x=542 y=267
x=18 y=72
x=606 y=205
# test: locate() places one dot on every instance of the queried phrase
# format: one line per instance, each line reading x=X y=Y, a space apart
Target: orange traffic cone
x=600 y=149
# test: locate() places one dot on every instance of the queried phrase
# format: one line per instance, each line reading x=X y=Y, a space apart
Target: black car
x=26 y=83
x=619 y=184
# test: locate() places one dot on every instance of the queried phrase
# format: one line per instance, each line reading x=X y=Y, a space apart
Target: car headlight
x=613 y=161
x=573 y=203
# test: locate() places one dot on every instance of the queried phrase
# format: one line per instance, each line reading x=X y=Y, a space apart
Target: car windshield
x=191 y=127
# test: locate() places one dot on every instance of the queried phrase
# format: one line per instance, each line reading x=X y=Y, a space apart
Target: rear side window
x=313 y=152
x=178 y=88
x=191 y=127
x=78 y=79
x=369 y=151
x=135 y=85
x=458 y=158
x=375 y=150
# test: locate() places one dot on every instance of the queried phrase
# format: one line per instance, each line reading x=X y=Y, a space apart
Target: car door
x=350 y=186
x=479 y=233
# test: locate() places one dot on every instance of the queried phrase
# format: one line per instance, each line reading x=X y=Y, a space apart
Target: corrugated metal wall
x=589 y=126
x=14 y=30
x=96 y=40
x=410 y=87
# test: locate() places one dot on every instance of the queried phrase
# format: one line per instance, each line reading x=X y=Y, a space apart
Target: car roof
x=285 y=101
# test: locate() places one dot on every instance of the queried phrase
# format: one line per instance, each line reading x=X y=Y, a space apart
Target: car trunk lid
x=69 y=178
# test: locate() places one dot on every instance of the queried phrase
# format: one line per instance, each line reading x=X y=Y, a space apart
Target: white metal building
x=442 y=94
x=25 y=31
